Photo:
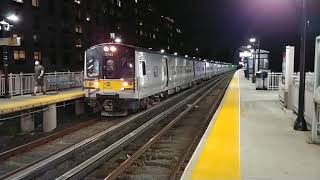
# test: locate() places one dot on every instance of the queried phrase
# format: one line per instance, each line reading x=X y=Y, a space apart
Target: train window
x=143 y=68
x=93 y=67
x=119 y=66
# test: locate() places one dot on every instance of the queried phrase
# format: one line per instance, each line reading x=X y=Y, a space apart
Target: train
x=120 y=79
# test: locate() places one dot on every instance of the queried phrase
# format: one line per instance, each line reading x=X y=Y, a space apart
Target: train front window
x=116 y=67
x=93 y=67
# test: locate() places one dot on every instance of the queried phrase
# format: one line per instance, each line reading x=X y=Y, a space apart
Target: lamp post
x=300 y=123
x=5 y=26
x=256 y=45
x=253 y=41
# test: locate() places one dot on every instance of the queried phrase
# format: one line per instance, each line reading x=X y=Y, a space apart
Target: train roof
x=156 y=52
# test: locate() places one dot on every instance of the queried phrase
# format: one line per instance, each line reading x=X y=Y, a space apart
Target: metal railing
x=20 y=84
x=274 y=81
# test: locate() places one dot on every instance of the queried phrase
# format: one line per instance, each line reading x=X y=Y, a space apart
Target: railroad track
x=52 y=164
x=168 y=150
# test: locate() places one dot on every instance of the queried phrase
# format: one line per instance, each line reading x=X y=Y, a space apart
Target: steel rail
x=39 y=166
x=90 y=164
x=120 y=169
x=31 y=145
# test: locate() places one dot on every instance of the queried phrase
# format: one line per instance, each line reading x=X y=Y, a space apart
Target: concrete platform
x=270 y=149
x=19 y=103
x=258 y=143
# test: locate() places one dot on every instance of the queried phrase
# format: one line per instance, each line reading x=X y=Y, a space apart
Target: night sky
x=220 y=27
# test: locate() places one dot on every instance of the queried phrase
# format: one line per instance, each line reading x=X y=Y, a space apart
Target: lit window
x=35 y=3
x=79 y=43
x=77 y=1
x=78 y=29
x=119 y=3
x=19 y=1
x=19 y=55
x=88 y=18
x=37 y=55
x=35 y=37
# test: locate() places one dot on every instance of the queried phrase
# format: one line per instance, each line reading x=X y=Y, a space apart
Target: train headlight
x=106 y=49
x=96 y=84
x=113 y=49
x=125 y=84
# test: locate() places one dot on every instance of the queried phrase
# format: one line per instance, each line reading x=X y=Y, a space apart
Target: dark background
x=220 y=27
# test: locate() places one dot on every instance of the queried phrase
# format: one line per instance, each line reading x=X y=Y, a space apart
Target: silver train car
x=121 y=78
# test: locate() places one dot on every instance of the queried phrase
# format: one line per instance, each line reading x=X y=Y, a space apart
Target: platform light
x=113 y=49
x=194 y=57
x=186 y=56
x=162 y=50
x=252 y=40
x=13 y=17
x=106 y=49
x=175 y=53
x=118 y=40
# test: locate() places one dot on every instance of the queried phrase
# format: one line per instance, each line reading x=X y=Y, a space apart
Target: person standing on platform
x=39 y=79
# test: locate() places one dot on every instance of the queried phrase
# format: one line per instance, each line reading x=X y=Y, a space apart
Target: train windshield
x=119 y=66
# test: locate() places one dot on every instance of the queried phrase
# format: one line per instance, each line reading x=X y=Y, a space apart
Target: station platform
x=19 y=103
x=251 y=137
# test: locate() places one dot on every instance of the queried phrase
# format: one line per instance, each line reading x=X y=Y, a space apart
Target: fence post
x=69 y=79
x=10 y=84
x=55 y=80
x=21 y=83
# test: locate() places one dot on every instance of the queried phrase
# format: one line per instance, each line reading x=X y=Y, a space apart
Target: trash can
x=261 y=77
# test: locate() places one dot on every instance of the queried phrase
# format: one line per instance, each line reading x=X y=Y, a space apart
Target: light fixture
x=150 y=48
x=113 y=49
x=118 y=40
x=252 y=40
x=125 y=84
x=249 y=46
x=175 y=53
x=186 y=56
x=13 y=17
x=162 y=50
x=106 y=49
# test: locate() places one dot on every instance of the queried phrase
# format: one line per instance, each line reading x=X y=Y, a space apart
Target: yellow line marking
x=220 y=156
x=22 y=104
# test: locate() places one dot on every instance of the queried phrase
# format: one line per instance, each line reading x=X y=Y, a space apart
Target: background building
x=57 y=32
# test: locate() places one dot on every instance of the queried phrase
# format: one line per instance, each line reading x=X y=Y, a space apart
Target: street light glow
x=13 y=17
x=162 y=51
x=175 y=53
x=253 y=40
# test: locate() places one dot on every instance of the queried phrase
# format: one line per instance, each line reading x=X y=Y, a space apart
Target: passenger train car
x=121 y=78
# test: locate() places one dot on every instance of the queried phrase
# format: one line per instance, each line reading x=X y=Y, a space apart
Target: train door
x=165 y=73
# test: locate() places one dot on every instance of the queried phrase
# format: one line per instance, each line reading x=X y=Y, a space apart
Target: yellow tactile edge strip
x=218 y=154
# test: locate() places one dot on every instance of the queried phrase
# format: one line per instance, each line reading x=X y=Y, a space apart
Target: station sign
x=13 y=41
